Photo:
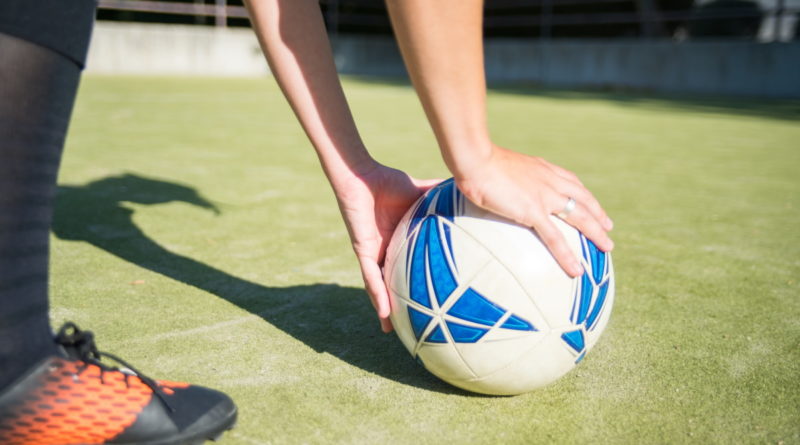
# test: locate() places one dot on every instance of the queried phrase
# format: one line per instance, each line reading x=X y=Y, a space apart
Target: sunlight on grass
x=197 y=236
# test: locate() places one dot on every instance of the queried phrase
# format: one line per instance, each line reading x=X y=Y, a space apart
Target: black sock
x=37 y=91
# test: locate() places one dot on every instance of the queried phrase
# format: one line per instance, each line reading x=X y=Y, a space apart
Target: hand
x=372 y=203
x=528 y=190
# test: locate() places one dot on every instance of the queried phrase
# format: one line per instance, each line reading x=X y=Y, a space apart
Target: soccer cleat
x=74 y=399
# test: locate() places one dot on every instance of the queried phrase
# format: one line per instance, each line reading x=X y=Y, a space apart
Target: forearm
x=442 y=46
x=293 y=38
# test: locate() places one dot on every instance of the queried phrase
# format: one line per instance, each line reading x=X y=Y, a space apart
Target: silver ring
x=568 y=208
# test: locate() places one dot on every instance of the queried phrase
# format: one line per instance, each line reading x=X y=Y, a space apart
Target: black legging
x=38 y=82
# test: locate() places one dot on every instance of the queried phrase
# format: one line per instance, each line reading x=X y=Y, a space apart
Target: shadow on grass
x=783 y=109
x=327 y=317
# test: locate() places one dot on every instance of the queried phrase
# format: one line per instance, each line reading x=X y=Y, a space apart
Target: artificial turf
x=196 y=235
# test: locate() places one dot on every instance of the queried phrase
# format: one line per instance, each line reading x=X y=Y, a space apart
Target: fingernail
x=609 y=224
x=577 y=269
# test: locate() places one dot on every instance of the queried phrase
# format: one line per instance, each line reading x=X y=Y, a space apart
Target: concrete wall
x=719 y=68
x=131 y=48
x=723 y=68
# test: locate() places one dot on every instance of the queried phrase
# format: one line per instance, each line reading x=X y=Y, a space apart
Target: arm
x=372 y=198
x=293 y=38
x=442 y=45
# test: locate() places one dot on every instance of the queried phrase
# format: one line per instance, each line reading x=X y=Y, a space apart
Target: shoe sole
x=198 y=439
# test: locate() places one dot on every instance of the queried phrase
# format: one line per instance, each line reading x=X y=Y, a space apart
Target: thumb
x=376 y=289
x=426 y=184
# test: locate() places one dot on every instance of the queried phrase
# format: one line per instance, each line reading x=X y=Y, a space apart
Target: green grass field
x=196 y=235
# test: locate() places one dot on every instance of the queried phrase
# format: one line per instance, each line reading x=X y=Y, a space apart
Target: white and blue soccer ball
x=482 y=303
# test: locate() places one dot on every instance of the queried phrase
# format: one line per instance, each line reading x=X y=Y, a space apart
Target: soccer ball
x=481 y=302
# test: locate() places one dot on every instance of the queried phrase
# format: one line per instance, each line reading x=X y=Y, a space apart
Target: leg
x=58 y=390
x=37 y=90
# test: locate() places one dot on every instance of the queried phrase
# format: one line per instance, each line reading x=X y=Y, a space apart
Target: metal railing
x=531 y=18
x=220 y=10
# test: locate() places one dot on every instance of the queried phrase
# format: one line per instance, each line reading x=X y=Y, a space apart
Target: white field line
x=199 y=330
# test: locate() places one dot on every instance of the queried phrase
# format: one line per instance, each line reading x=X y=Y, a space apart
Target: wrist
x=341 y=172
x=468 y=158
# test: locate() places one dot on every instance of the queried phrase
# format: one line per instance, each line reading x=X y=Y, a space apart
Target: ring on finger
x=569 y=207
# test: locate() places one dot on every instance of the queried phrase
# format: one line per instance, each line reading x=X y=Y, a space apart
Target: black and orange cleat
x=74 y=399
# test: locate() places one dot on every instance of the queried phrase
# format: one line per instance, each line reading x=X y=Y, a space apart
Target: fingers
x=572 y=186
x=588 y=223
x=554 y=240
x=587 y=216
x=530 y=190
x=582 y=219
x=586 y=199
x=386 y=325
x=564 y=173
x=585 y=221
x=376 y=289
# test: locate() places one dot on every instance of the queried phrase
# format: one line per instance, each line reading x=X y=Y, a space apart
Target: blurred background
x=715 y=47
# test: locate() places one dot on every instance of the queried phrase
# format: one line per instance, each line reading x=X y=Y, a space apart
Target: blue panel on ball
x=586 y=297
x=598 y=305
x=465 y=334
x=574 y=339
x=459 y=202
x=596 y=258
x=444 y=282
x=575 y=301
x=580 y=357
x=419 y=321
x=475 y=307
x=417 y=283
x=422 y=210
x=518 y=323
x=437 y=336
x=449 y=243
x=445 y=205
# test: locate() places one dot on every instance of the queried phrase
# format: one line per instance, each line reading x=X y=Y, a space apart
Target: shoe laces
x=80 y=344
